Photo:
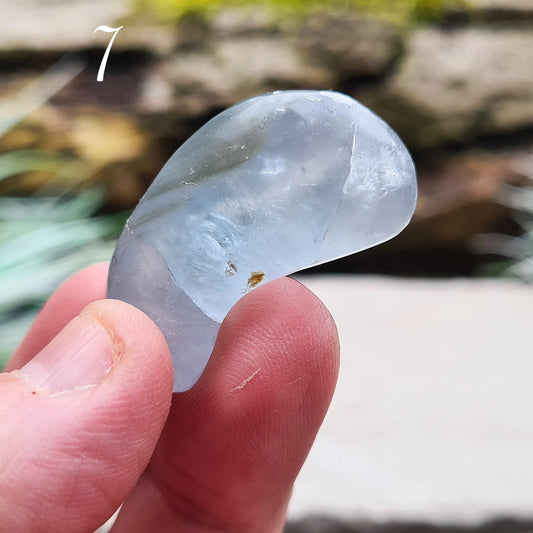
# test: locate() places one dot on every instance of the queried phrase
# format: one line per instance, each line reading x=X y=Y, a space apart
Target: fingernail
x=80 y=356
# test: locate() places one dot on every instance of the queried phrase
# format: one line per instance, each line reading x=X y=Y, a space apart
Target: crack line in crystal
x=337 y=209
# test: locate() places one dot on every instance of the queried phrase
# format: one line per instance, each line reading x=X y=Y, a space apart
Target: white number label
x=107 y=29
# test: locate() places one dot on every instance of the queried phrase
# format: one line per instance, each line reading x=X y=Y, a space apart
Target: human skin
x=88 y=419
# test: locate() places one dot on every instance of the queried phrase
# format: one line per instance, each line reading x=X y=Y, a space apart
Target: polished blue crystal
x=272 y=185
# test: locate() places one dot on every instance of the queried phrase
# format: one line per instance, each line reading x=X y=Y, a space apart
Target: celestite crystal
x=272 y=185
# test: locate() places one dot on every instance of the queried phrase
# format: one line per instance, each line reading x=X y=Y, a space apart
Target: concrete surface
x=433 y=416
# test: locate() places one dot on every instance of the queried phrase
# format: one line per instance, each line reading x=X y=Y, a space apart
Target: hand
x=88 y=420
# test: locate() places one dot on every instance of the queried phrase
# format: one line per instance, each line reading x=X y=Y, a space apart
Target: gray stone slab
x=433 y=416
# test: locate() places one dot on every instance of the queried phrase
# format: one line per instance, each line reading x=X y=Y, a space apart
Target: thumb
x=79 y=422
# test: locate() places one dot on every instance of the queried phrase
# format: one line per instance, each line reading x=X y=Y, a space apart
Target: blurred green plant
x=46 y=237
x=518 y=250
x=402 y=11
x=43 y=240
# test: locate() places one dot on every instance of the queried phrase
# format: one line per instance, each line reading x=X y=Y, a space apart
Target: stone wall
x=460 y=93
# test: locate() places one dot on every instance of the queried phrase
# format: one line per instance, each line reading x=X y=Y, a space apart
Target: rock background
x=460 y=93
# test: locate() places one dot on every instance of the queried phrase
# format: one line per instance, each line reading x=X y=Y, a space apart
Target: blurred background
x=432 y=424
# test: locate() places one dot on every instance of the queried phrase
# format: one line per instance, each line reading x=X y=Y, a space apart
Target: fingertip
x=284 y=328
x=93 y=277
x=80 y=289
x=273 y=370
x=95 y=437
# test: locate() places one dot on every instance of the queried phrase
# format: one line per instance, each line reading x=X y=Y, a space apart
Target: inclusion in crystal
x=272 y=185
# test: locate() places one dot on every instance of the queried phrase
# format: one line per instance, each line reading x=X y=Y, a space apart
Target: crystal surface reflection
x=272 y=185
